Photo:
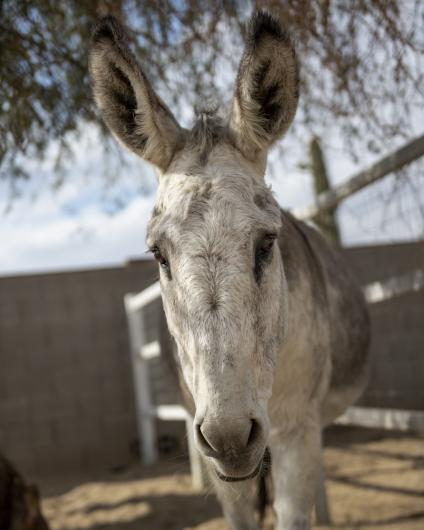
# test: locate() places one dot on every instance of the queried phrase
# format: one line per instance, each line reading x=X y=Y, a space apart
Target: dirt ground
x=374 y=481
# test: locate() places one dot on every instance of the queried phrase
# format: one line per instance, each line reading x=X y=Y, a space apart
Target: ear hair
x=136 y=116
x=267 y=86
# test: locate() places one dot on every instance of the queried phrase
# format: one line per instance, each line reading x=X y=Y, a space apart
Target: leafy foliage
x=362 y=64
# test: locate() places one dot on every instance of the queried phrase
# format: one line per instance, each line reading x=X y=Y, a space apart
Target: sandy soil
x=373 y=482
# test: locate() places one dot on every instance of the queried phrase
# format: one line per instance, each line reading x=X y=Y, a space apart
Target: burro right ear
x=131 y=109
x=267 y=87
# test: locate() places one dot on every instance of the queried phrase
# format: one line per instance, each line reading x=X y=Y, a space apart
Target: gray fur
x=271 y=336
x=208 y=131
x=136 y=116
x=267 y=87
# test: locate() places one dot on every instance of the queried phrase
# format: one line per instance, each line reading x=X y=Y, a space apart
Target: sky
x=93 y=220
x=80 y=225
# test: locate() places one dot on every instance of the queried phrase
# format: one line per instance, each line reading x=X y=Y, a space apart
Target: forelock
x=208 y=131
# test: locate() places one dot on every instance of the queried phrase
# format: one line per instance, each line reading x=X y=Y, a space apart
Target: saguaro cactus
x=326 y=220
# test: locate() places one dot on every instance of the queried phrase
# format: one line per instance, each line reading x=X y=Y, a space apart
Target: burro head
x=213 y=230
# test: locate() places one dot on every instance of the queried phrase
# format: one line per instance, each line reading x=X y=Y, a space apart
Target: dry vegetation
x=362 y=65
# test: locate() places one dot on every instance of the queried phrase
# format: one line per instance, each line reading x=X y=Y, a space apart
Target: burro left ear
x=267 y=86
x=131 y=109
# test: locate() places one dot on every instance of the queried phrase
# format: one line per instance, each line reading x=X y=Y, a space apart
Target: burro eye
x=263 y=254
x=161 y=259
x=267 y=243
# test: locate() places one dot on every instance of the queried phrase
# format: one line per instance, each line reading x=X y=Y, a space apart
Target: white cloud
x=94 y=238
x=72 y=227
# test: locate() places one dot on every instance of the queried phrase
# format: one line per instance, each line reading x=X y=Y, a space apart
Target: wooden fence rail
x=390 y=163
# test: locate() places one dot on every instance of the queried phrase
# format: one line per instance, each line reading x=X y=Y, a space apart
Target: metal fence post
x=145 y=419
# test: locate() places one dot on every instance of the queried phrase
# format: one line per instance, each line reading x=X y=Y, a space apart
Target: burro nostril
x=203 y=442
x=255 y=432
x=217 y=436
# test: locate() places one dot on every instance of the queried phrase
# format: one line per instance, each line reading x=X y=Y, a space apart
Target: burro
x=271 y=330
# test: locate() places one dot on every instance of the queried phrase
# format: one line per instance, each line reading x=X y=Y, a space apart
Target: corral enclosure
x=66 y=391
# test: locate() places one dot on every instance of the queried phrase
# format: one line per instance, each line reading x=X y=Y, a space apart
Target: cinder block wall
x=397 y=348
x=66 y=395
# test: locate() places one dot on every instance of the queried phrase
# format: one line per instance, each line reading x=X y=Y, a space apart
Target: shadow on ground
x=167 y=511
x=374 y=481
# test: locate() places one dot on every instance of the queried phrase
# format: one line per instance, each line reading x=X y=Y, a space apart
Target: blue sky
x=97 y=219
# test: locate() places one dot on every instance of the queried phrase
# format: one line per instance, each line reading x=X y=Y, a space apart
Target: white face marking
x=223 y=296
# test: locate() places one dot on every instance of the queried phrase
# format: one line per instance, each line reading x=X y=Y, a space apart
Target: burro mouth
x=261 y=468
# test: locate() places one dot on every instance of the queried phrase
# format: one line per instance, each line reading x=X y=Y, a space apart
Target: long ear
x=137 y=117
x=267 y=87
